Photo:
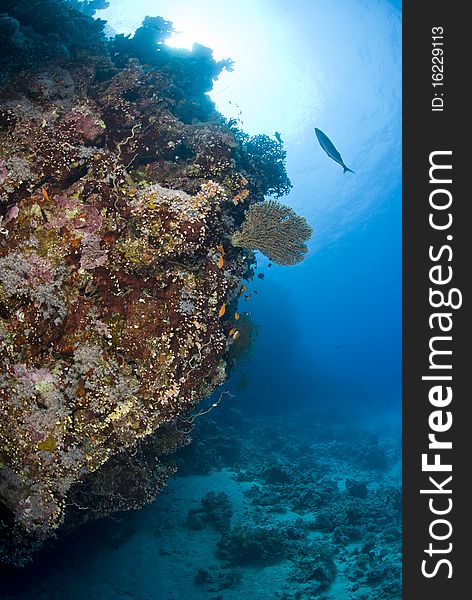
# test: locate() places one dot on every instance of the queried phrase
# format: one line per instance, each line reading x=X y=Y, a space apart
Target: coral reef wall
x=120 y=189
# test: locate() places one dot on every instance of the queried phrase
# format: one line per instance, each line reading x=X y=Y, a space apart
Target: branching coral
x=89 y=7
x=275 y=230
x=262 y=159
x=190 y=74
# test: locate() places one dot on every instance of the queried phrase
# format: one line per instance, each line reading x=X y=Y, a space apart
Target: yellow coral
x=47 y=445
x=121 y=410
x=243 y=194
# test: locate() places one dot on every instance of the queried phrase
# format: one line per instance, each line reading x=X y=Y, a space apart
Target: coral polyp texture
x=120 y=189
x=275 y=230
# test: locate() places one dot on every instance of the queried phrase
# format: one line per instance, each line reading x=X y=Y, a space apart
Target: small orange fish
x=222 y=310
x=220 y=249
x=243 y=289
x=232 y=331
x=236 y=316
x=221 y=262
x=44 y=194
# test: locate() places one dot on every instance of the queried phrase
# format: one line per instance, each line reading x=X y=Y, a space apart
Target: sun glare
x=186 y=34
x=182 y=39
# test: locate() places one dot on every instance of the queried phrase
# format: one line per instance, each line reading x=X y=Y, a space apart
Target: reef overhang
x=120 y=190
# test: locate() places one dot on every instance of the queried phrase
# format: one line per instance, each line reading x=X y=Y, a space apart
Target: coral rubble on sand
x=120 y=189
x=311 y=509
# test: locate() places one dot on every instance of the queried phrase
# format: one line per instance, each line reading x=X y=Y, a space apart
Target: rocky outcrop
x=118 y=279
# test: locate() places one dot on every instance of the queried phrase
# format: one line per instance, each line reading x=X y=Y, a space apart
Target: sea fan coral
x=275 y=230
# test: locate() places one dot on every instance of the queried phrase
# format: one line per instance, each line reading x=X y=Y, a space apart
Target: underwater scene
x=200 y=300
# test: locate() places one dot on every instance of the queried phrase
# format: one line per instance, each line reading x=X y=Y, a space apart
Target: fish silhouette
x=330 y=149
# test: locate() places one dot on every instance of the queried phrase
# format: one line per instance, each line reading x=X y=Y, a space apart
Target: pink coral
x=85 y=125
x=65 y=205
x=36 y=375
x=40 y=270
x=12 y=212
x=3 y=171
x=92 y=255
x=89 y=220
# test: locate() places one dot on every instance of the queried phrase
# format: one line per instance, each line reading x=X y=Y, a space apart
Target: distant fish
x=277 y=137
x=330 y=149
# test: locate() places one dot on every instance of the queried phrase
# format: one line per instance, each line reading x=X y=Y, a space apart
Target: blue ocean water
x=320 y=393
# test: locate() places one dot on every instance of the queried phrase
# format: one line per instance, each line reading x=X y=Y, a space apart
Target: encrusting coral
x=96 y=349
x=120 y=189
x=275 y=230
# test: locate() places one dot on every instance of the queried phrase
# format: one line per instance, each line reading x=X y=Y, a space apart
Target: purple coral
x=12 y=213
x=85 y=124
x=3 y=171
x=40 y=271
x=89 y=220
x=61 y=217
x=34 y=376
x=92 y=255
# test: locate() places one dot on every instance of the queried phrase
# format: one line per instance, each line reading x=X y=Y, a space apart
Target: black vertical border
x=425 y=131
